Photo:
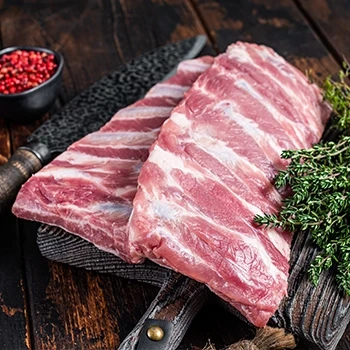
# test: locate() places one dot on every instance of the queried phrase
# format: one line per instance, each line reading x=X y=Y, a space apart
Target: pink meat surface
x=88 y=190
x=210 y=172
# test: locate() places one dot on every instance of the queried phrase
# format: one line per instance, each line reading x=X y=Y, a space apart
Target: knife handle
x=26 y=161
x=169 y=316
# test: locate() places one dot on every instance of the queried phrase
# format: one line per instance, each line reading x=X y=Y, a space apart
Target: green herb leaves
x=319 y=181
x=338 y=95
x=319 y=204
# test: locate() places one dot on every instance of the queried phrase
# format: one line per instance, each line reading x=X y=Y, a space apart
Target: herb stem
x=319 y=178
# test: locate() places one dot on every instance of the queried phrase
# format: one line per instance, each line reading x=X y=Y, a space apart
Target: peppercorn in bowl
x=30 y=78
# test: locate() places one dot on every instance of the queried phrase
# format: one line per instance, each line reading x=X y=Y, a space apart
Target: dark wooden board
x=330 y=19
x=58 y=245
x=72 y=308
x=317 y=315
x=320 y=314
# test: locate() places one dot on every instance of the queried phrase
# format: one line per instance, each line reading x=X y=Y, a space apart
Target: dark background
x=47 y=305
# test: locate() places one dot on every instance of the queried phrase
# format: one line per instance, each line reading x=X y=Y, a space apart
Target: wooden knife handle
x=170 y=315
x=26 y=161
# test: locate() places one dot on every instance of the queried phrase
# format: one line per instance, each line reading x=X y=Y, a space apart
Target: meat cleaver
x=90 y=110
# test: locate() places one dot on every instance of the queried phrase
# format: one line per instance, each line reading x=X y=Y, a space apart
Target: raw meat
x=210 y=172
x=88 y=190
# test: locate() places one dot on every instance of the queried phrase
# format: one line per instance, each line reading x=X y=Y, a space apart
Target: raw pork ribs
x=88 y=190
x=210 y=172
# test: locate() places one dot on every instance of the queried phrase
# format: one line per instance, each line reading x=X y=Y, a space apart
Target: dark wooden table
x=47 y=305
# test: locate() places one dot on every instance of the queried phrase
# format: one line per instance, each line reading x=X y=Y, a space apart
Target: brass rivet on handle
x=155 y=333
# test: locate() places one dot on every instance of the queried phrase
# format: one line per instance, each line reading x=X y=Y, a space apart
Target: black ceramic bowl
x=35 y=102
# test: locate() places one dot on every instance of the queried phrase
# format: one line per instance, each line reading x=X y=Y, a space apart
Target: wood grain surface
x=14 y=323
x=47 y=305
x=330 y=19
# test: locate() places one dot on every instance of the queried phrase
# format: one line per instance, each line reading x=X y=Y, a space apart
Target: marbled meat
x=88 y=189
x=210 y=172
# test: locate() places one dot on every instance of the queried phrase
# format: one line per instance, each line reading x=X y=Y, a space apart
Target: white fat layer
x=168 y=161
x=142 y=112
x=315 y=121
x=165 y=211
x=169 y=211
x=167 y=90
x=193 y=66
x=230 y=159
x=112 y=207
x=116 y=147
x=136 y=137
x=69 y=174
x=80 y=215
x=298 y=138
x=117 y=139
x=281 y=63
x=59 y=174
x=181 y=120
x=279 y=242
x=266 y=142
x=80 y=158
x=238 y=54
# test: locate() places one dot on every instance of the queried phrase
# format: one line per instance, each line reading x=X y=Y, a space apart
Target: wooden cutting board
x=318 y=314
x=174 y=307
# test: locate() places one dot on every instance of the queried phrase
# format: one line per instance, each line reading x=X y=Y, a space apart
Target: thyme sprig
x=337 y=93
x=319 y=181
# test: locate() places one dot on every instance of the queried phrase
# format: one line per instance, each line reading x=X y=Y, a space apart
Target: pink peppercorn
x=22 y=70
